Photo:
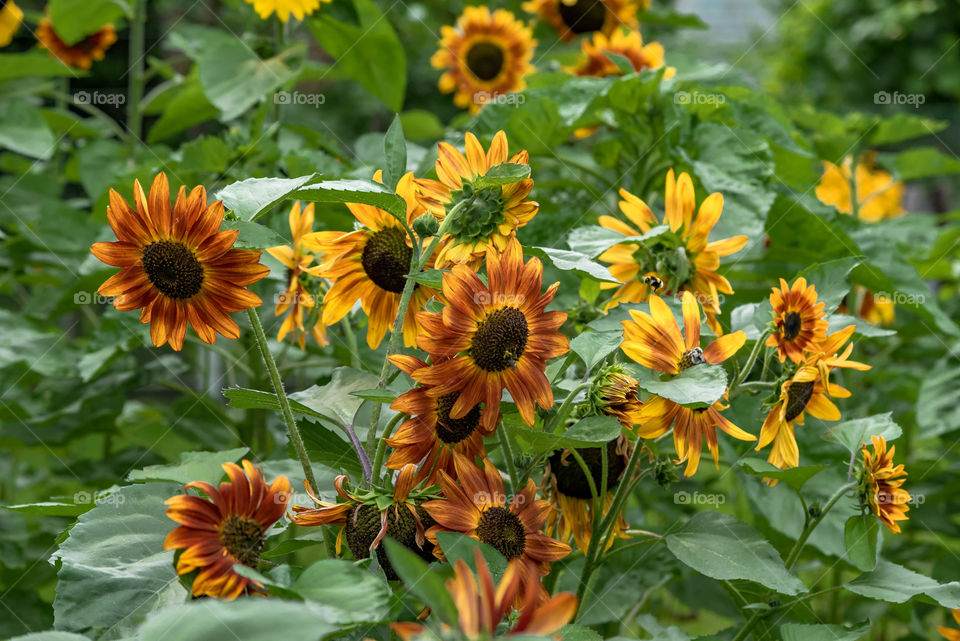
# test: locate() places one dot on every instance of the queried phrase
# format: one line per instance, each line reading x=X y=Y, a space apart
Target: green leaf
x=432 y=278
x=367 y=51
x=76 y=19
x=421 y=125
x=896 y=584
x=857 y=432
x=795 y=477
x=937 y=409
x=822 y=632
x=587 y=432
x=52 y=508
x=724 y=548
x=365 y=192
x=51 y=635
x=458 y=546
x=356 y=595
x=189 y=107
x=567 y=260
x=251 y=399
x=863 y=328
x=253 y=235
x=251 y=198
x=113 y=568
x=922 y=162
x=23 y=130
x=395 y=153
x=324 y=446
x=699 y=386
x=247 y=619
x=593 y=347
x=376 y=395
x=860 y=538
x=659 y=632
x=902 y=127
x=21 y=65
x=831 y=280
x=421 y=580
x=594 y=240
x=503 y=174
x=192 y=466
x=336 y=399
x=670 y=18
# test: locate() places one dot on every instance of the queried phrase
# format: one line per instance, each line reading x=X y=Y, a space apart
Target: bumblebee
x=653 y=281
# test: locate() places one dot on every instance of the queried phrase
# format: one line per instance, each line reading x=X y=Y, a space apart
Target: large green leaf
x=587 y=432
x=860 y=540
x=336 y=399
x=365 y=192
x=76 y=19
x=567 y=260
x=896 y=584
x=795 y=477
x=325 y=447
x=937 y=409
x=394 y=153
x=422 y=580
x=21 y=65
x=113 y=568
x=23 y=130
x=355 y=595
x=192 y=466
x=724 y=548
x=823 y=632
x=593 y=347
x=458 y=546
x=254 y=235
x=251 y=198
x=503 y=174
x=831 y=280
x=699 y=386
x=855 y=433
x=251 y=619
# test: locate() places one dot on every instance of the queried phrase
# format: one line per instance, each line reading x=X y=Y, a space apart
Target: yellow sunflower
x=81 y=54
x=176 y=266
x=807 y=391
x=799 y=319
x=491 y=215
x=654 y=341
x=485 y=56
x=595 y=60
x=364 y=523
x=880 y=483
x=229 y=528
x=296 y=298
x=430 y=436
x=481 y=605
x=491 y=337
x=571 y=18
x=681 y=259
x=10 y=18
x=371 y=264
x=477 y=507
x=878 y=194
x=614 y=393
x=284 y=8
x=950 y=634
x=876 y=308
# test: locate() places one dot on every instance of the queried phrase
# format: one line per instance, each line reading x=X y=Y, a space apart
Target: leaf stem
x=382 y=444
x=564 y=409
x=504 y=441
x=754 y=353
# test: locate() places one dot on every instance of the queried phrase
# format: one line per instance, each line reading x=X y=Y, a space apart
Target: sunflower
x=876 y=309
x=81 y=54
x=569 y=491
x=371 y=264
x=489 y=216
x=654 y=341
x=477 y=507
x=680 y=259
x=493 y=336
x=176 y=266
x=798 y=318
x=284 y=8
x=228 y=529
x=878 y=194
x=364 y=523
x=430 y=436
x=807 y=391
x=571 y=18
x=596 y=61
x=10 y=18
x=485 y=56
x=481 y=606
x=950 y=634
x=614 y=393
x=880 y=483
x=296 y=298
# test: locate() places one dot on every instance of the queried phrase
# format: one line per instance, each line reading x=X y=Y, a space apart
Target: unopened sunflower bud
x=426 y=225
x=614 y=393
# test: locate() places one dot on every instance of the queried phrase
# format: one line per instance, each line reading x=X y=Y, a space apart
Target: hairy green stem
x=382 y=445
x=750 y=360
x=138 y=29
x=564 y=409
x=504 y=441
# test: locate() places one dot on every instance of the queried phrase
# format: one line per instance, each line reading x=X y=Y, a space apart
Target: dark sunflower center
x=243 y=538
x=480 y=216
x=503 y=529
x=500 y=339
x=797 y=399
x=583 y=16
x=690 y=358
x=485 y=60
x=172 y=268
x=453 y=430
x=363 y=525
x=571 y=480
x=791 y=326
x=386 y=259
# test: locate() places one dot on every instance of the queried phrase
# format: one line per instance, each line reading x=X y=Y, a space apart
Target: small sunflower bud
x=426 y=225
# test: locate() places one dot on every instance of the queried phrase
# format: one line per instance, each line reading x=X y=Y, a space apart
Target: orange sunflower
x=571 y=18
x=596 y=61
x=364 y=523
x=491 y=337
x=228 y=529
x=81 y=54
x=799 y=319
x=880 y=483
x=10 y=18
x=950 y=634
x=807 y=391
x=654 y=341
x=487 y=55
x=477 y=507
x=176 y=266
x=681 y=259
x=430 y=436
x=296 y=298
x=481 y=605
x=490 y=215
x=878 y=194
x=371 y=264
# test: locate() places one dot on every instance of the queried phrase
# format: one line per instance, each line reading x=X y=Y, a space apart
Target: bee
x=653 y=281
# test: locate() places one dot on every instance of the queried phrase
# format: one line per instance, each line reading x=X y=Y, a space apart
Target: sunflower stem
x=814 y=522
x=138 y=29
x=751 y=360
x=564 y=409
x=504 y=441
x=382 y=445
x=292 y=429
x=351 y=337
